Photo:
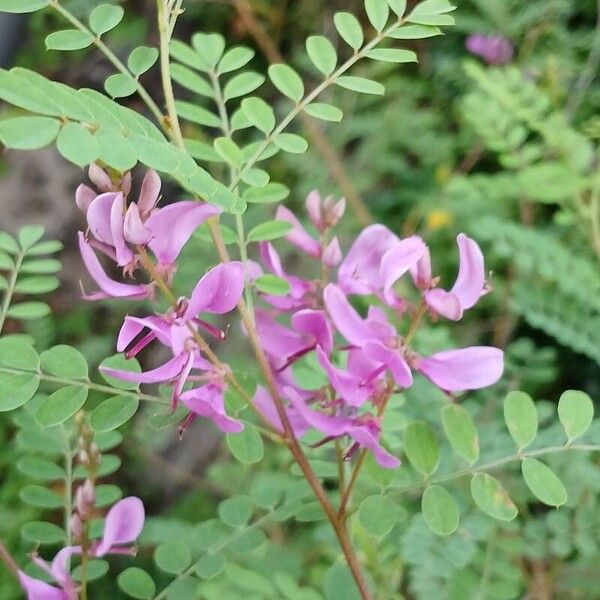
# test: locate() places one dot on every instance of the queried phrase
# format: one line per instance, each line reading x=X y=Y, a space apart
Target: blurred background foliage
x=508 y=155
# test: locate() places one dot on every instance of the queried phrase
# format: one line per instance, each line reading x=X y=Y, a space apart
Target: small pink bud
x=83 y=197
x=76 y=526
x=313 y=208
x=100 y=178
x=126 y=184
x=336 y=212
x=332 y=255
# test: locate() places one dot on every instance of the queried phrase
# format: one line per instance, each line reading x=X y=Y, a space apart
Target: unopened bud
x=334 y=211
x=332 y=255
x=76 y=526
x=100 y=178
x=84 y=458
x=313 y=208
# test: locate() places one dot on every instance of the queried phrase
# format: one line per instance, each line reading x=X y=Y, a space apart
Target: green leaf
x=339 y=584
x=96 y=569
x=6 y=262
x=398 y=6
x=183 y=53
x=270 y=230
x=197 y=114
x=156 y=155
x=28 y=133
x=272 y=285
x=290 y=142
x=393 y=55
x=29 y=310
x=77 y=144
x=16 y=389
x=242 y=85
x=234 y=59
x=41 y=266
x=30 y=235
x=575 y=411
x=40 y=468
x=119 y=362
x=415 y=32
x=142 y=59
x=40 y=532
x=112 y=413
x=61 y=405
x=210 y=565
x=236 y=511
x=191 y=81
x=433 y=7
x=173 y=557
x=378 y=514
x=201 y=150
x=259 y=113
x=105 y=17
x=247 y=446
x=64 y=361
x=17 y=353
x=460 y=431
x=136 y=583
x=287 y=81
x=68 y=39
x=440 y=510
x=349 y=29
x=378 y=12
x=209 y=47
x=325 y=112
x=41 y=497
x=107 y=495
x=115 y=150
x=360 y=84
x=421 y=447
x=322 y=53
x=45 y=247
x=8 y=243
x=521 y=418
x=22 y=6
x=229 y=151
x=272 y=192
x=255 y=177
x=543 y=482
x=433 y=20
x=120 y=85
x=37 y=285
x=491 y=497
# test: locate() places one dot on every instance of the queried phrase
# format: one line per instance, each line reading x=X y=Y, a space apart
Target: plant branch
x=112 y=57
x=10 y=289
x=8 y=560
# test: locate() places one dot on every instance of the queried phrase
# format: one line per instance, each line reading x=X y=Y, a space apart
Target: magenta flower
x=324 y=214
x=464 y=369
x=217 y=292
x=40 y=590
x=469 y=286
x=123 y=524
x=364 y=429
x=494 y=49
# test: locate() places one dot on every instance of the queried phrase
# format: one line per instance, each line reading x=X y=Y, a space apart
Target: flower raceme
x=123 y=524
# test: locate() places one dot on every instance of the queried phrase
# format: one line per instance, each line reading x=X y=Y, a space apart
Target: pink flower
x=324 y=214
x=494 y=49
x=122 y=526
x=469 y=286
x=40 y=590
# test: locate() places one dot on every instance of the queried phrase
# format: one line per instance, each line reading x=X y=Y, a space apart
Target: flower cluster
x=124 y=231
x=377 y=358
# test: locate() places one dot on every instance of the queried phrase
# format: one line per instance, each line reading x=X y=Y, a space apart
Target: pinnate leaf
x=142 y=59
x=68 y=39
x=360 y=84
x=136 y=583
x=247 y=446
x=321 y=53
x=349 y=29
x=543 y=482
x=491 y=497
x=325 y=112
x=287 y=81
x=575 y=411
x=460 y=431
x=28 y=133
x=259 y=113
x=440 y=510
x=105 y=17
x=521 y=418
x=378 y=13
x=421 y=447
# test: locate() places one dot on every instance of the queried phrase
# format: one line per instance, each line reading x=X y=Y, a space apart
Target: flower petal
x=117 y=219
x=298 y=236
x=360 y=271
x=400 y=258
x=123 y=524
x=470 y=282
x=109 y=287
x=166 y=372
x=332 y=254
x=219 y=291
x=98 y=217
x=173 y=225
x=444 y=303
x=134 y=230
x=264 y=402
x=313 y=208
x=40 y=590
x=315 y=324
x=367 y=440
x=149 y=193
x=208 y=402
x=393 y=360
x=464 y=369
x=84 y=195
x=421 y=272
x=277 y=340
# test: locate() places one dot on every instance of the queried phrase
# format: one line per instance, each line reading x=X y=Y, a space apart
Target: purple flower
x=217 y=292
x=40 y=590
x=494 y=49
x=469 y=286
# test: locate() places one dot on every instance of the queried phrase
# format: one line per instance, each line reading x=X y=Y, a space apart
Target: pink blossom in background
x=494 y=49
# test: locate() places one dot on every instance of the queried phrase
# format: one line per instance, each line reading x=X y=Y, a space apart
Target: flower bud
x=100 y=178
x=83 y=197
x=313 y=208
x=76 y=526
x=336 y=212
x=332 y=254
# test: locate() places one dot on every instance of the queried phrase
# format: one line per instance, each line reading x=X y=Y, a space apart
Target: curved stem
x=10 y=288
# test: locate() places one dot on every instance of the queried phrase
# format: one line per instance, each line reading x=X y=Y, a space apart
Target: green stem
x=299 y=107
x=68 y=455
x=10 y=289
x=495 y=464
x=144 y=95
